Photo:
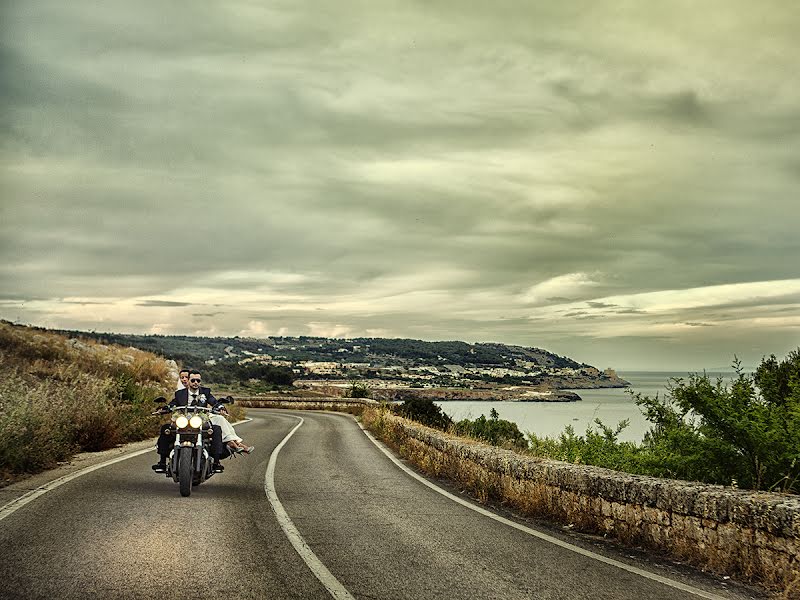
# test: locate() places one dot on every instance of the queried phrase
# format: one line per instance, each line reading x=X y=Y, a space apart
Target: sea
x=610 y=405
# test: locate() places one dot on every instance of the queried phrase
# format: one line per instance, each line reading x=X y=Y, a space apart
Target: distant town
x=391 y=368
x=524 y=373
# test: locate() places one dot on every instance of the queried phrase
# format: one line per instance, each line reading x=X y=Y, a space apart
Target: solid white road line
x=16 y=504
x=543 y=536
x=13 y=506
x=326 y=578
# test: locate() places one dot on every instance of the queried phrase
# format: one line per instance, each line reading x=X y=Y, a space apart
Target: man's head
x=194 y=380
x=183 y=375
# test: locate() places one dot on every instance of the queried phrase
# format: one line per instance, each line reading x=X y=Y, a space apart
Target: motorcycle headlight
x=181 y=422
x=196 y=421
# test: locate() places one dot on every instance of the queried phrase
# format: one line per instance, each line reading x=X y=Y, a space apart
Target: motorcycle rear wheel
x=185 y=471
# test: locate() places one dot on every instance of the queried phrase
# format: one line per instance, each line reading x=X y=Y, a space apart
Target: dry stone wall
x=744 y=534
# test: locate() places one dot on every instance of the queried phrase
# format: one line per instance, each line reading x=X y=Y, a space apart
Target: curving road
x=368 y=529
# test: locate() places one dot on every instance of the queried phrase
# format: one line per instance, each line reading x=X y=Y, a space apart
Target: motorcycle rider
x=229 y=437
x=195 y=394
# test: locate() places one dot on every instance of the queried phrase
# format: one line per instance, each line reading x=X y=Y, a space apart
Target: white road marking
x=13 y=506
x=16 y=504
x=321 y=572
x=543 y=536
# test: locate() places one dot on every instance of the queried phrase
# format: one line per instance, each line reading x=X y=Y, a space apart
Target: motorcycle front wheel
x=185 y=471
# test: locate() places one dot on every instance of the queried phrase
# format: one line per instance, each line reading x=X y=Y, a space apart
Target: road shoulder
x=81 y=461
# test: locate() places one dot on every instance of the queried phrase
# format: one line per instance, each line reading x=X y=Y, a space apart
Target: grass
x=235 y=412
x=60 y=396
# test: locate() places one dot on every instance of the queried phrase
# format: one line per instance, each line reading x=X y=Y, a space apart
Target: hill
x=382 y=351
x=443 y=364
x=60 y=395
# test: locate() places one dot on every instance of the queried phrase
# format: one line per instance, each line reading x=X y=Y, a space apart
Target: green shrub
x=425 y=411
x=358 y=389
x=745 y=433
x=45 y=422
x=599 y=446
x=493 y=430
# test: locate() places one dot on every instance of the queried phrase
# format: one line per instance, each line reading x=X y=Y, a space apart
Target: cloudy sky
x=616 y=181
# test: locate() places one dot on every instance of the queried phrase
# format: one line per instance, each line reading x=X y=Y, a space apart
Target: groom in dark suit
x=195 y=394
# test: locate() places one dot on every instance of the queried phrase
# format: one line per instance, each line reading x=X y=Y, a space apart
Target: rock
x=550 y=396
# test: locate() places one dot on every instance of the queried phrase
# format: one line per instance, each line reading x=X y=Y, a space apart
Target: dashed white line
x=543 y=536
x=321 y=572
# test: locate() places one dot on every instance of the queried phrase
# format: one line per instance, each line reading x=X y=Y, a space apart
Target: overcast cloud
x=611 y=180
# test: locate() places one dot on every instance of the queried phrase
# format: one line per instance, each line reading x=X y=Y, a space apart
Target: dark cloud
x=601 y=305
x=163 y=303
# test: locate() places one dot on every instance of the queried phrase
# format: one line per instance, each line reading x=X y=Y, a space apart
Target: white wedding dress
x=228 y=433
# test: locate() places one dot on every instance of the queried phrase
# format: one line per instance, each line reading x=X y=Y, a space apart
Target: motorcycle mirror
x=160 y=400
x=228 y=400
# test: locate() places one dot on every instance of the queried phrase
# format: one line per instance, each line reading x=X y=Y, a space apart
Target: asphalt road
x=124 y=532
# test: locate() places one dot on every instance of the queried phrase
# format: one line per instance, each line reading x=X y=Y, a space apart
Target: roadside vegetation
x=494 y=430
x=60 y=396
x=745 y=433
x=425 y=411
x=249 y=377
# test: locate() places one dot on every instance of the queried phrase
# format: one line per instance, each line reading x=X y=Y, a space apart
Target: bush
x=746 y=433
x=248 y=373
x=33 y=434
x=425 y=411
x=358 y=390
x=494 y=430
x=43 y=423
x=599 y=445
x=60 y=396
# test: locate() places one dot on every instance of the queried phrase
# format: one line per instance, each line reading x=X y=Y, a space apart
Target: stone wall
x=747 y=535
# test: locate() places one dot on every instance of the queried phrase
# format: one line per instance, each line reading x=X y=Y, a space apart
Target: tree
x=425 y=411
x=493 y=430
x=748 y=431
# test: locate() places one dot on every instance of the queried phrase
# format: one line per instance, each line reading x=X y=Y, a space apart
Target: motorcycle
x=190 y=461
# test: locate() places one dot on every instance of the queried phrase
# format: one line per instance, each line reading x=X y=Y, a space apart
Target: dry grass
x=792 y=591
x=235 y=412
x=44 y=354
x=60 y=396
